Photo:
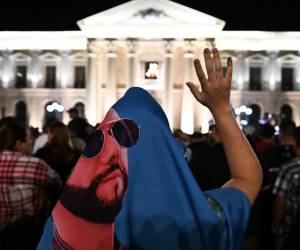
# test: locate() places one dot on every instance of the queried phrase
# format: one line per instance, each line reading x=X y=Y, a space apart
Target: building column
x=93 y=110
x=111 y=85
x=64 y=70
x=187 y=106
x=7 y=70
x=36 y=113
x=132 y=64
x=240 y=73
x=168 y=93
x=35 y=70
x=272 y=72
x=297 y=72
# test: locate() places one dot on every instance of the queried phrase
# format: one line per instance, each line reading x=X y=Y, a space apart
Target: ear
x=18 y=145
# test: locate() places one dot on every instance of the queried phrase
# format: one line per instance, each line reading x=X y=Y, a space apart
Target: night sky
x=265 y=15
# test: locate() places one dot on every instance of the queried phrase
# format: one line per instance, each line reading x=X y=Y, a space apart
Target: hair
x=60 y=140
x=10 y=133
x=177 y=132
x=297 y=135
x=48 y=122
x=197 y=135
x=287 y=127
x=267 y=131
x=61 y=134
x=73 y=110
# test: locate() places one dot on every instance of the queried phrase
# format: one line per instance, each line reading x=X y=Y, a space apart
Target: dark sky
x=268 y=15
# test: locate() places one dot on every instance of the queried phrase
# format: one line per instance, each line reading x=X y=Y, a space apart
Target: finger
x=228 y=76
x=200 y=73
x=209 y=65
x=195 y=91
x=218 y=64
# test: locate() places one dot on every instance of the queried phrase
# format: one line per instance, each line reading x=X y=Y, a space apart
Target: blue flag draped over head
x=164 y=208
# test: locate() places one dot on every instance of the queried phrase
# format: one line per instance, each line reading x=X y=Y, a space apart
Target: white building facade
x=146 y=43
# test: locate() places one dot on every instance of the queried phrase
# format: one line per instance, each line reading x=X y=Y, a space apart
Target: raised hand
x=215 y=92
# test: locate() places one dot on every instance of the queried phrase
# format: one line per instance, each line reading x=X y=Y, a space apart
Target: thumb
x=195 y=91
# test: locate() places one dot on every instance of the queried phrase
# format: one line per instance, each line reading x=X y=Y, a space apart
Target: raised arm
x=245 y=169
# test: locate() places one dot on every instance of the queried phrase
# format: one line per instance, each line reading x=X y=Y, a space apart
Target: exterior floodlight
x=60 y=108
x=243 y=109
x=244 y=122
x=237 y=111
x=248 y=111
x=55 y=105
x=50 y=108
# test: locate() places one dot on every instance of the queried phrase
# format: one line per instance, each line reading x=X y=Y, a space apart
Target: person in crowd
x=77 y=143
x=183 y=143
x=77 y=124
x=267 y=139
x=198 y=142
x=24 y=185
x=42 y=139
x=286 y=208
x=57 y=152
x=163 y=207
x=281 y=153
x=210 y=167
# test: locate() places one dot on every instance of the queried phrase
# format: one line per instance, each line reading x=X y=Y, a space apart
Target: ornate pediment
x=150 y=19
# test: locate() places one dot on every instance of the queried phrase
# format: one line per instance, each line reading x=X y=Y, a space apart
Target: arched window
x=53 y=110
x=286 y=113
x=21 y=113
x=80 y=107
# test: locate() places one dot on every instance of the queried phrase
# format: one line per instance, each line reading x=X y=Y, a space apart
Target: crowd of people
x=274 y=221
x=33 y=170
x=77 y=174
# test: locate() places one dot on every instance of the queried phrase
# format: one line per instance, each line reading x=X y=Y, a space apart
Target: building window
x=287 y=79
x=50 y=77
x=151 y=70
x=255 y=78
x=21 y=76
x=79 y=77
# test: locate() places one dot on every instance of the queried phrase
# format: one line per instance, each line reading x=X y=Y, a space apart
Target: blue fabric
x=235 y=208
x=46 y=240
x=164 y=208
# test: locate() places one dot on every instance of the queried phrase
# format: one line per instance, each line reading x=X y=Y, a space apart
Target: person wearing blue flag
x=132 y=188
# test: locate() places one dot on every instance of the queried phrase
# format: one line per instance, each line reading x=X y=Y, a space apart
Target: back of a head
x=287 y=128
x=60 y=134
x=177 y=133
x=48 y=122
x=297 y=135
x=73 y=113
x=10 y=133
x=267 y=131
